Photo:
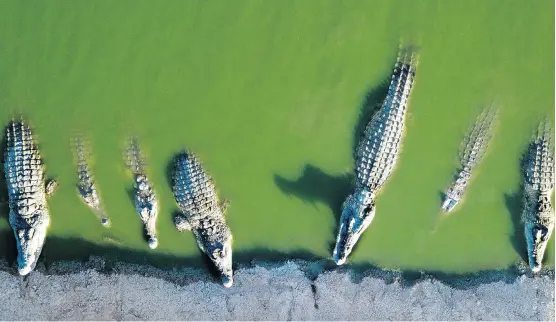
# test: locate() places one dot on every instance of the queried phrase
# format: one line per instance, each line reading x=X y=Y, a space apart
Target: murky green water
x=269 y=94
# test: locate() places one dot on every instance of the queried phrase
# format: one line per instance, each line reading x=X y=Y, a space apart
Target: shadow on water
x=7 y=239
x=514 y=203
x=315 y=185
x=441 y=197
x=183 y=270
x=169 y=171
x=371 y=104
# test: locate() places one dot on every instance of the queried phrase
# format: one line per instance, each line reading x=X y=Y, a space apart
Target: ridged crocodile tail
x=86 y=187
x=476 y=141
x=472 y=151
x=135 y=161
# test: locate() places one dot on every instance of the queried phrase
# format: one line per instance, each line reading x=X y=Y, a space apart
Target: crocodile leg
x=181 y=223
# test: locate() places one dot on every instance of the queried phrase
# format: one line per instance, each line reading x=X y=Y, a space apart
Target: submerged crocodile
x=472 y=151
x=85 y=182
x=145 y=200
x=375 y=157
x=27 y=192
x=538 y=214
x=202 y=213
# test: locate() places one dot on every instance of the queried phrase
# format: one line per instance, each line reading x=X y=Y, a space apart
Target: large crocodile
x=85 y=182
x=538 y=214
x=27 y=192
x=375 y=157
x=145 y=200
x=472 y=151
x=202 y=213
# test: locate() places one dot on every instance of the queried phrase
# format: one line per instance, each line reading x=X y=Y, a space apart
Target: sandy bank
x=296 y=290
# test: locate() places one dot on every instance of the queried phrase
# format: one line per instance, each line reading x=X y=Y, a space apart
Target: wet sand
x=294 y=290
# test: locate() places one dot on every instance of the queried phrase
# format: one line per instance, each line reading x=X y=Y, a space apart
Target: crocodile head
x=29 y=241
x=537 y=233
x=449 y=203
x=221 y=255
x=357 y=213
x=153 y=242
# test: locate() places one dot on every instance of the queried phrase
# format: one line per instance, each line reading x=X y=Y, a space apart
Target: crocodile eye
x=216 y=253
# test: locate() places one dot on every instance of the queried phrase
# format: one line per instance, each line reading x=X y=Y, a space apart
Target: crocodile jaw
x=153 y=242
x=29 y=241
x=449 y=204
x=537 y=237
x=224 y=264
x=221 y=255
x=357 y=214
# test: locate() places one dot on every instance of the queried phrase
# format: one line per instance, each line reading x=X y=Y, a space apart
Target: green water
x=269 y=94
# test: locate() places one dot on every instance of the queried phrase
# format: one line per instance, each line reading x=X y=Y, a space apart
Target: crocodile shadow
x=315 y=185
x=514 y=203
x=7 y=240
x=62 y=256
x=371 y=104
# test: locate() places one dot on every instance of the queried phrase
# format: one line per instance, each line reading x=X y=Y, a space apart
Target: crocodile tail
x=544 y=156
x=134 y=159
x=81 y=150
x=476 y=141
x=408 y=57
x=82 y=154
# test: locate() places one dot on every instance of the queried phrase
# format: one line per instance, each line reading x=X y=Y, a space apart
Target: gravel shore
x=293 y=290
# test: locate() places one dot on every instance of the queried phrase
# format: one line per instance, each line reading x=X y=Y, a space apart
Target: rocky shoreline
x=290 y=290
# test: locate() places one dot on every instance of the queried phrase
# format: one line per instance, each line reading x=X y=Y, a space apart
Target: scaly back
x=539 y=163
x=476 y=141
x=193 y=187
x=22 y=163
x=134 y=159
x=379 y=146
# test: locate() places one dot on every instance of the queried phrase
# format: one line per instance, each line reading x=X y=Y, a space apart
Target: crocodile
x=472 y=151
x=538 y=214
x=85 y=182
x=27 y=192
x=202 y=213
x=375 y=157
x=145 y=200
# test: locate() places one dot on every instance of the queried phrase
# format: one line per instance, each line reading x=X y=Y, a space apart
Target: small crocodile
x=85 y=182
x=538 y=214
x=145 y=200
x=202 y=213
x=375 y=157
x=27 y=193
x=473 y=149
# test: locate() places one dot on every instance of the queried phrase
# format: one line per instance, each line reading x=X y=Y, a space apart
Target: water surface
x=270 y=95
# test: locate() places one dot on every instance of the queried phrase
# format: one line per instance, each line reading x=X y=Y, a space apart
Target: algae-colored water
x=269 y=95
